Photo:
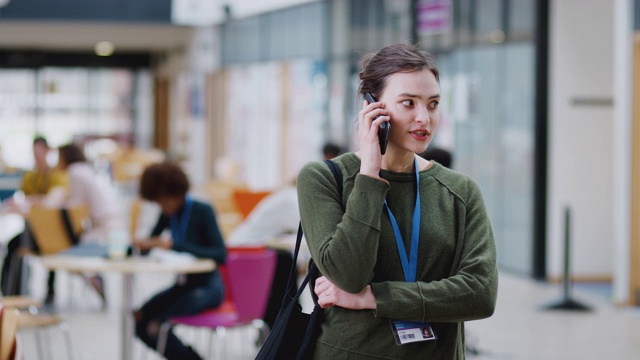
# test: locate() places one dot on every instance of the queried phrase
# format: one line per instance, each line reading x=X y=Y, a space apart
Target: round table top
x=127 y=265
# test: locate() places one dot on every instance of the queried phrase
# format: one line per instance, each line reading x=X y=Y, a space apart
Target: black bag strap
x=337 y=174
x=66 y=221
x=312 y=272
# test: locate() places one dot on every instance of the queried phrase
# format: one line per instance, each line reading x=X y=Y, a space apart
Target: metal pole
x=567 y=235
x=127 y=321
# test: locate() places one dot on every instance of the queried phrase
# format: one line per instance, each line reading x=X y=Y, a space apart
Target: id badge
x=411 y=331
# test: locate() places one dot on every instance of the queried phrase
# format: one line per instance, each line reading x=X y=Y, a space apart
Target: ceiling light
x=104 y=48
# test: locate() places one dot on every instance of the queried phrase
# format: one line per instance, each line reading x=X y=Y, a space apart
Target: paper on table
x=88 y=250
x=171 y=256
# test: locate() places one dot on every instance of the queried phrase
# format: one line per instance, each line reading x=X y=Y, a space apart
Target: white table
x=128 y=268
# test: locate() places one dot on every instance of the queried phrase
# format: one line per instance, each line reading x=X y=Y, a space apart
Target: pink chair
x=248 y=278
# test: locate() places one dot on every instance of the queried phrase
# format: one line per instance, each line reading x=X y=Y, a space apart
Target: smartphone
x=385 y=127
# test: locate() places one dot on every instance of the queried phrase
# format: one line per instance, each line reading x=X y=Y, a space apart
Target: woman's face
x=412 y=100
x=170 y=204
x=40 y=153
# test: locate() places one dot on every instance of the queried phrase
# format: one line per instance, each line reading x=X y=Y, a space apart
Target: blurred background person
x=85 y=190
x=42 y=180
x=331 y=150
x=42 y=184
x=194 y=230
x=439 y=155
x=275 y=217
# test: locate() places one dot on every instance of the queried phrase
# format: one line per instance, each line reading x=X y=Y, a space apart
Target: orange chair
x=246 y=200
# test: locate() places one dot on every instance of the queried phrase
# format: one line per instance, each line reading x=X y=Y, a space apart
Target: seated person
x=85 y=190
x=43 y=184
x=194 y=230
x=42 y=180
x=275 y=215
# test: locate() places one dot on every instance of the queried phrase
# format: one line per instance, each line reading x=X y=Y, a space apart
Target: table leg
x=127 y=319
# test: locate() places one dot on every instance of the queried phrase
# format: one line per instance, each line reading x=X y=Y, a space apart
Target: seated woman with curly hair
x=194 y=230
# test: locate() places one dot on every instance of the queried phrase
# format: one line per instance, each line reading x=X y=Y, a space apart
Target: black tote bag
x=294 y=334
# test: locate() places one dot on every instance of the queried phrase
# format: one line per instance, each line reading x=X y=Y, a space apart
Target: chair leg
x=162 y=337
x=24 y=275
x=70 y=291
x=211 y=344
x=38 y=336
x=263 y=331
x=47 y=336
x=64 y=327
x=221 y=331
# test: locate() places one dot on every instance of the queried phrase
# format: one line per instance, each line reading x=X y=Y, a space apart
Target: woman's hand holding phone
x=372 y=115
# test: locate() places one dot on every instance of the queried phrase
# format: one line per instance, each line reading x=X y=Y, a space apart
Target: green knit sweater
x=457 y=277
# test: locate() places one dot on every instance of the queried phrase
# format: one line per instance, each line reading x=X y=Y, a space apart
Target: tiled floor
x=520 y=328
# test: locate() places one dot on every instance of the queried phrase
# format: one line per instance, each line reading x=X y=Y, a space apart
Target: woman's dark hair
x=163 y=179
x=70 y=154
x=40 y=140
x=392 y=59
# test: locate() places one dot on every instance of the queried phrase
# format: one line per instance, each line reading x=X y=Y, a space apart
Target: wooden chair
x=49 y=231
x=48 y=227
x=9 y=318
x=37 y=322
x=128 y=164
x=134 y=217
x=31 y=318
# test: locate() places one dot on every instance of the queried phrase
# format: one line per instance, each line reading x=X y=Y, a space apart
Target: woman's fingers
x=370 y=112
x=325 y=291
x=322 y=285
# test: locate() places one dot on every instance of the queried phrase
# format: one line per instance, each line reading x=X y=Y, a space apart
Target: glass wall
x=296 y=32
x=374 y=24
x=486 y=53
x=64 y=104
x=276 y=87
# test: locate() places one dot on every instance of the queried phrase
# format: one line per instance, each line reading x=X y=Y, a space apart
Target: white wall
x=581 y=136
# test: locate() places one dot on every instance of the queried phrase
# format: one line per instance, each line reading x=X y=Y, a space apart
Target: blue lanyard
x=179 y=229
x=410 y=265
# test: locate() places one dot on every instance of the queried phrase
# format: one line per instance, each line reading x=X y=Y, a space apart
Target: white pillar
x=623 y=71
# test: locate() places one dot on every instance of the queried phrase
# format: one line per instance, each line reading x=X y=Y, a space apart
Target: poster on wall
x=275 y=115
x=253 y=117
x=306 y=108
x=434 y=17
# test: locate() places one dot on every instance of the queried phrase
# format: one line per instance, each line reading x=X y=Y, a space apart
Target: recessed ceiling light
x=104 y=48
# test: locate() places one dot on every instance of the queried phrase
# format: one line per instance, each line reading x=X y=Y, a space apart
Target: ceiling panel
x=84 y=36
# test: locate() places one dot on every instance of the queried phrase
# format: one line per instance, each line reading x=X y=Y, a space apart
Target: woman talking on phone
x=408 y=245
